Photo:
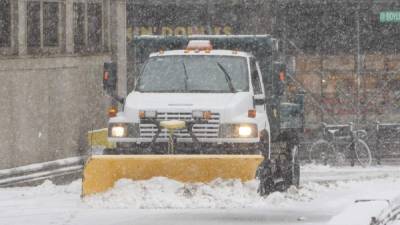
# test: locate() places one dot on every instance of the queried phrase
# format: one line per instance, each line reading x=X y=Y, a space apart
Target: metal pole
x=322 y=94
x=357 y=121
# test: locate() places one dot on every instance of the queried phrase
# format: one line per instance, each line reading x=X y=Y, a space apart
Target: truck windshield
x=191 y=73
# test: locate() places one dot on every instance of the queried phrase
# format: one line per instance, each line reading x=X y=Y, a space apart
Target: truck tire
x=265 y=174
x=292 y=173
x=293 y=177
x=294 y=168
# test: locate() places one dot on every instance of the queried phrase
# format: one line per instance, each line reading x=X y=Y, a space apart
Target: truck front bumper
x=190 y=148
x=153 y=132
x=187 y=140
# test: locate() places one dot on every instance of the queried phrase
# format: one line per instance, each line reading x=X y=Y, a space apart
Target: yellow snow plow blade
x=98 y=138
x=102 y=171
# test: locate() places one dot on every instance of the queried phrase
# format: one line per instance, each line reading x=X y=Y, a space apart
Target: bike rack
x=386 y=133
x=334 y=134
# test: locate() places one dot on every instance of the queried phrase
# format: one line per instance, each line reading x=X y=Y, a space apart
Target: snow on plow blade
x=102 y=171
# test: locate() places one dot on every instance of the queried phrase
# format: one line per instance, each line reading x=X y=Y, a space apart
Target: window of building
x=43 y=24
x=33 y=24
x=88 y=27
x=5 y=23
x=50 y=24
x=94 y=12
x=79 y=26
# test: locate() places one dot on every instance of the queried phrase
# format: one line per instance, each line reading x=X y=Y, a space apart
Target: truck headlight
x=128 y=130
x=245 y=131
x=118 y=130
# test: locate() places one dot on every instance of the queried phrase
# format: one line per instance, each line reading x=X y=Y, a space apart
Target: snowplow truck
x=211 y=107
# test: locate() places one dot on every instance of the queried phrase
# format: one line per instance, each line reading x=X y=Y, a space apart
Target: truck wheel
x=294 y=169
x=264 y=144
x=294 y=175
x=266 y=177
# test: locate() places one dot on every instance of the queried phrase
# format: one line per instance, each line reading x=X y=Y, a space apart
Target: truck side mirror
x=279 y=78
x=110 y=78
x=299 y=99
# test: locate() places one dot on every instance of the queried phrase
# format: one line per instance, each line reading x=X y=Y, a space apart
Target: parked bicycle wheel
x=363 y=153
x=322 y=152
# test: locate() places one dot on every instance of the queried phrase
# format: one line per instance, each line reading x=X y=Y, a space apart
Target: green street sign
x=389 y=17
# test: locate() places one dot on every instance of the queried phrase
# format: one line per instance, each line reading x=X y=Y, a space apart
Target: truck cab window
x=212 y=74
x=255 y=78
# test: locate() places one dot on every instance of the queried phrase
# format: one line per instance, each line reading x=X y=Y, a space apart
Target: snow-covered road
x=324 y=193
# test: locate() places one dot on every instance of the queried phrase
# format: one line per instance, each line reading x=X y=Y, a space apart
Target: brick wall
x=331 y=83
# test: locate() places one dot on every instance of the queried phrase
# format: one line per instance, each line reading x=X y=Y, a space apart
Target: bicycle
x=325 y=151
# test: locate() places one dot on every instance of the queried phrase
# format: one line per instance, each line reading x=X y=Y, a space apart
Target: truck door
x=258 y=90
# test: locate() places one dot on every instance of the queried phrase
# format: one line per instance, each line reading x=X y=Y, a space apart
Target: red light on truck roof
x=199 y=45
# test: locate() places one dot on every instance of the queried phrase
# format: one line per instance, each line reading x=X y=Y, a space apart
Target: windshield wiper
x=227 y=78
x=186 y=75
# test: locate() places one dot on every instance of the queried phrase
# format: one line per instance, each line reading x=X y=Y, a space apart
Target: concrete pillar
x=22 y=31
x=106 y=25
x=211 y=13
x=14 y=26
x=118 y=39
x=69 y=26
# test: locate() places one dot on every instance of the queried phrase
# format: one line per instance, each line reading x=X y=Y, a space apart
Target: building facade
x=344 y=53
x=347 y=57
x=51 y=64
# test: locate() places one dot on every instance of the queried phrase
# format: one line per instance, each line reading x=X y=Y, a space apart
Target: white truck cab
x=205 y=101
x=218 y=94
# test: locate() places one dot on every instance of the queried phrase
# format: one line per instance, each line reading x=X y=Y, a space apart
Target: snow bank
x=47 y=188
x=321 y=173
x=363 y=212
x=359 y=213
x=319 y=168
x=369 y=203
x=317 y=180
x=161 y=192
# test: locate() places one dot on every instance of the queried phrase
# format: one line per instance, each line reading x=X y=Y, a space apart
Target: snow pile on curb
x=312 y=168
x=160 y=192
x=359 y=213
x=47 y=188
x=370 y=206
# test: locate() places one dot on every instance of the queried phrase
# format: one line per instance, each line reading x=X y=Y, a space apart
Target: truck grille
x=209 y=130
